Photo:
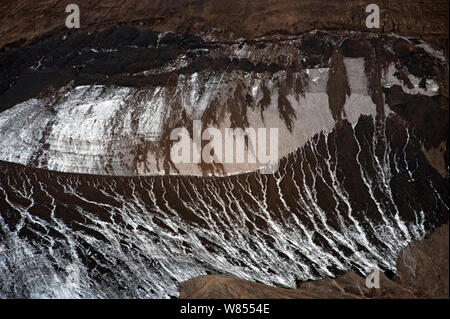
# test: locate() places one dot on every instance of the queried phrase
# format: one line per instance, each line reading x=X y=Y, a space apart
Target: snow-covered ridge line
x=110 y=129
x=96 y=130
x=148 y=234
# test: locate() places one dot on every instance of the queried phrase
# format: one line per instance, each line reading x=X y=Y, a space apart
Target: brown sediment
x=436 y=158
x=292 y=85
x=347 y=286
x=423 y=265
x=401 y=75
x=287 y=113
x=24 y=21
x=375 y=64
x=237 y=108
x=337 y=86
x=212 y=117
x=214 y=114
x=264 y=103
x=214 y=168
x=373 y=71
x=295 y=79
x=427 y=114
x=177 y=118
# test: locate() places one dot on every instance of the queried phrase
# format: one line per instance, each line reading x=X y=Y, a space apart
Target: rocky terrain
x=88 y=187
x=25 y=21
x=422 y=272
x=106 y=103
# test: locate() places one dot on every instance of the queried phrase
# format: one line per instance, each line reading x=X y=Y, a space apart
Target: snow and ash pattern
x=85 y=181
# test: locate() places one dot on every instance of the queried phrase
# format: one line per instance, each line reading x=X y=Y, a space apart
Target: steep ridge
x=25 y=21
x=88 y=187
x=413 y=260
x=349 y=199
x=107 y=103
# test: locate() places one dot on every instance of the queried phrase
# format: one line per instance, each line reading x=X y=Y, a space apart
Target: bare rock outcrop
x=422 y=272
x=423 y=266
x=348 y=286
x=25 y=20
